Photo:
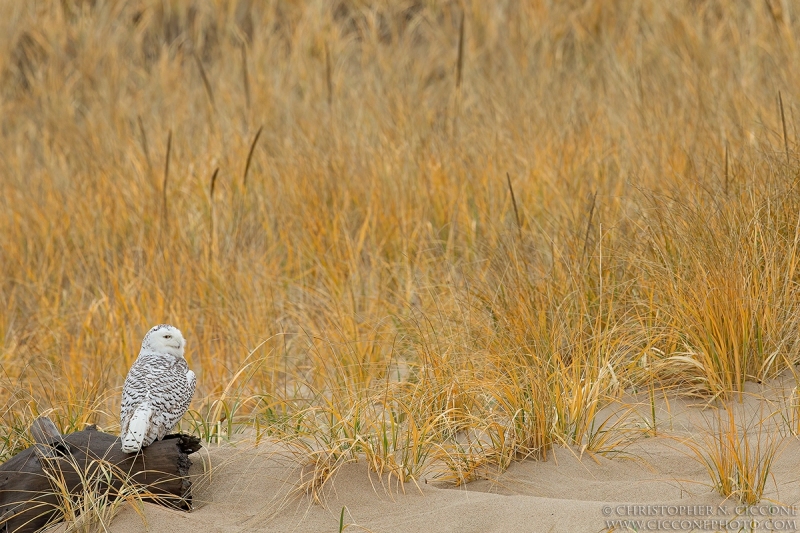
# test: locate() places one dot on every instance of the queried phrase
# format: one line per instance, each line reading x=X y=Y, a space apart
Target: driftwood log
x=33 y=483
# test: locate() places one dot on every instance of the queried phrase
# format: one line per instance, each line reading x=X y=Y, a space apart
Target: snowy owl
x=157 y=391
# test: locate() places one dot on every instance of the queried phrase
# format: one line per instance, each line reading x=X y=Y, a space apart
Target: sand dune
x=250 y=488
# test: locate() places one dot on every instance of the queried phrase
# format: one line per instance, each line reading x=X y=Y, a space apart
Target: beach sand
x=249 y=488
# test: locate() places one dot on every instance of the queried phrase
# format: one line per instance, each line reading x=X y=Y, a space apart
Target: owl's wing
x=171 y=395
x=191 y=379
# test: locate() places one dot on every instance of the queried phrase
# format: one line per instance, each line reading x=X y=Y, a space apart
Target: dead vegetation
x=416 y=232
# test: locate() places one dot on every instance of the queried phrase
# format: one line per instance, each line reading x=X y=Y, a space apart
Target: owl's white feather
x=157 y=390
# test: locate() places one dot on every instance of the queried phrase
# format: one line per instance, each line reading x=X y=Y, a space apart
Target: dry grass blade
x=204 y=77
x=726 y=169
x=213 y=183
x=460 y=58
x=164 y=205
x=514 y=202
x=143 y=136
x=588 y=227
x=328 y=75
x=250 y=156
x=783 y=124
x=245 y=77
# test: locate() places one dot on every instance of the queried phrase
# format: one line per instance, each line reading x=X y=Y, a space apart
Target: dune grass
x=430 y=235
x=738 y=450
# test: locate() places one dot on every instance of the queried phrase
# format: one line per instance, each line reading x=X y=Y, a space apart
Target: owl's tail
x=137 y=428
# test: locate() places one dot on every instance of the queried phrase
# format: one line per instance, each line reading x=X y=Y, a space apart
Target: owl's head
x=164 y=339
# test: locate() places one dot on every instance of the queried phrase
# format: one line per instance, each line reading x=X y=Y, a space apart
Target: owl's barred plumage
x=157 y=390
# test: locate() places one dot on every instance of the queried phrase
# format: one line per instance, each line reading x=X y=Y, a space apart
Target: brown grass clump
x=415 y=232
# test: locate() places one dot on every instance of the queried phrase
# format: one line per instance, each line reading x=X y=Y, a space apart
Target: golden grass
x=738 y=452
x=390 y=232
x=98 y=501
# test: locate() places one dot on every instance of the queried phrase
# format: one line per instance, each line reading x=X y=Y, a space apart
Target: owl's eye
x=167 y=336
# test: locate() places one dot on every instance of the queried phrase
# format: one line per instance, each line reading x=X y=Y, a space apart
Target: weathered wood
x=47 y=438
x=43 y=430
x=29 y=499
